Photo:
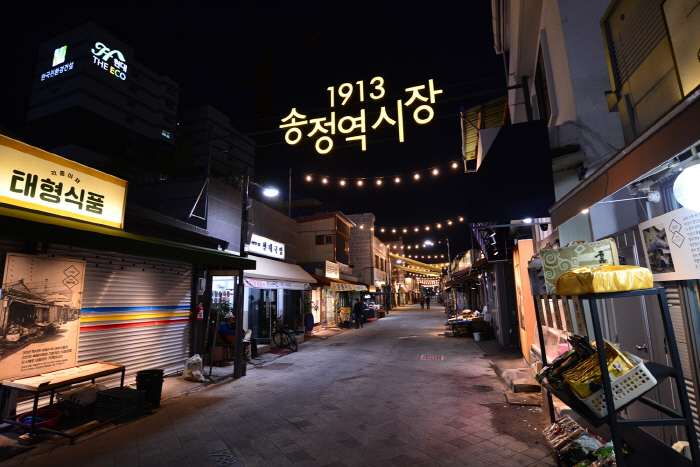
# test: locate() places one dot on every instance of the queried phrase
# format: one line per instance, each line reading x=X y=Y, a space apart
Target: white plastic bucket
x=477 y=336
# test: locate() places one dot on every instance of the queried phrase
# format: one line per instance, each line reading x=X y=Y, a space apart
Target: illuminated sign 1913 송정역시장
x=35 y=179
x=111 y=60
x=422 y=114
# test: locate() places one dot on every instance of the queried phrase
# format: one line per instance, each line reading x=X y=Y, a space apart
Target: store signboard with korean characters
x=35 y=179
x=264 y=246
x=40 y=308
x=672 y=245
x=332 y=270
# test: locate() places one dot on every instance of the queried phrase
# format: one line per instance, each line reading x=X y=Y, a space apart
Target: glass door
x=262 y=312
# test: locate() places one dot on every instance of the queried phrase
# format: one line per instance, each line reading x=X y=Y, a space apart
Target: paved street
x=359 y=398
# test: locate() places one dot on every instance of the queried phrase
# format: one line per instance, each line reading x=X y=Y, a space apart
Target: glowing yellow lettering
x=345 y=94
x=422 y=121
x=361 y=85
x=362 y=138
x=329 y=146
x=378 y=87
x=331 y=89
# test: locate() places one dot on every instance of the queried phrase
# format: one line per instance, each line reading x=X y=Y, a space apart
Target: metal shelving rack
x=645 y=450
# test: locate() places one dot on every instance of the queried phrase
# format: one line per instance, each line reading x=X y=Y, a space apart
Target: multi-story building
x=93 y=103
x=618 y=83
x=215 y=147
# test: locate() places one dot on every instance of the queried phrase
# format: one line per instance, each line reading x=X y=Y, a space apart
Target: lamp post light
x=246 y=231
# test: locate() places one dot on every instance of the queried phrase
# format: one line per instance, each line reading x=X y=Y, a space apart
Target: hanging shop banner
x=340 y=287
x=35 y=179
x=672 y=245
x=263 y=284
x=40 y=308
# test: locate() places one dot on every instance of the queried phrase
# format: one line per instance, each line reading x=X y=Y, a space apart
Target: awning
x=25 y=225
x=271 y=274
x=338 y=285
x=674 y=133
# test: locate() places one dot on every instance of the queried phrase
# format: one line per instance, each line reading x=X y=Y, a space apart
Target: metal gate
x=136 y=310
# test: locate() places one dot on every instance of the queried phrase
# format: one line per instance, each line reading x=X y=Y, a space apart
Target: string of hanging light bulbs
x=413 y=229
x=381 y=180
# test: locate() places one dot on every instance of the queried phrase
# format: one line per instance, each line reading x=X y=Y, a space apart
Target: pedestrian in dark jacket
x=427 y=302
x=422 y=301
x=358 y=311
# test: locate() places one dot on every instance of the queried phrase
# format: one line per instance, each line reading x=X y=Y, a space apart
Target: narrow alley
x=394 y=393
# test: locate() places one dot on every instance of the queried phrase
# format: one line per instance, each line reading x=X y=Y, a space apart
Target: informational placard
x=35 y=179
x=39 y=314
x=332 y=270
x=672 y=245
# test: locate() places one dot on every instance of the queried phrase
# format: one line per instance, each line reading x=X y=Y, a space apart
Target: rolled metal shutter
x=675 y=307
x=136 y=310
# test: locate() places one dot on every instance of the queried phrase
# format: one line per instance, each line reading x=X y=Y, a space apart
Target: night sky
x=255 y=61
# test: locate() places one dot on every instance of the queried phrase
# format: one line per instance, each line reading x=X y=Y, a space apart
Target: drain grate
x=480 y=388
x=356 y=377
x=432 y=357
x=336 y=345
x=276 y=366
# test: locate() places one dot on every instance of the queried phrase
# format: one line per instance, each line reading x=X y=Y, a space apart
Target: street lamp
x=246 y=231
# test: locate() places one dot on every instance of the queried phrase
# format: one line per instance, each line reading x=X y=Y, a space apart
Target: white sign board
x=332 y=270
x=38 y=180
x=672 y=245
x=40 y=314
x=266 y=247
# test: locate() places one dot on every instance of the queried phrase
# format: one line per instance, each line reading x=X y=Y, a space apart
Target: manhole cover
x=336 y=345
x=277 y=366
x=432 y=357
x=479 y=388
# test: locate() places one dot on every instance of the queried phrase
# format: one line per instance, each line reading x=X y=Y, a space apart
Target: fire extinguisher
x=200 y=312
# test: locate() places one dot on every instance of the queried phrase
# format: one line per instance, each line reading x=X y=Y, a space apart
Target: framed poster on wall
x=40 y=309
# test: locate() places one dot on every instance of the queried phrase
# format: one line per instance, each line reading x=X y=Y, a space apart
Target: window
x=165 y=133
x=324 y=239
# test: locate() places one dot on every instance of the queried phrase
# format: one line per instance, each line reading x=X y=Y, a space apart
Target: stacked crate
x=118 y=402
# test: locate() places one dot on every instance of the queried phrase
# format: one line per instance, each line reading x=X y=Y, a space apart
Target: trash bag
x=193 y=369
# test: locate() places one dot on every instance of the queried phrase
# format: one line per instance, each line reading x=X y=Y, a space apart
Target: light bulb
x=342 y=182
x=308 y=178
x=435 y=171
x=686 y=188
x=397 y=179
x=325 y=180
x=359 y=183
x=379 y=181
x=416 y=176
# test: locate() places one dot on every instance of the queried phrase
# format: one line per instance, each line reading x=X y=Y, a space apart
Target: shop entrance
x=262 y=312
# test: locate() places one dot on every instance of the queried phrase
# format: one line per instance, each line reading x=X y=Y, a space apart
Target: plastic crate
x=117 y=402
x=625 y=389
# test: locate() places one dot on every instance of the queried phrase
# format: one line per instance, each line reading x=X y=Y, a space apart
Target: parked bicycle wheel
x=292 y=342
x=280 y=339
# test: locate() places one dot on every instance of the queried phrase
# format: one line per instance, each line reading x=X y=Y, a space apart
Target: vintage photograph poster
x=672 y=245
x=40 y=308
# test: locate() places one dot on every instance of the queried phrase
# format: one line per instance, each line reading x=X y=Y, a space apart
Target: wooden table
x=52 y=381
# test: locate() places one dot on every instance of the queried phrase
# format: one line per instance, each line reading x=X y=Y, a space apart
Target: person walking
x=421 y=299
x=427 y=302
x=358 y=310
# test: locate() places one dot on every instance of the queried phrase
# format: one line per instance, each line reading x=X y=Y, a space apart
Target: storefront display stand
x=33 y=385
x=644 y=449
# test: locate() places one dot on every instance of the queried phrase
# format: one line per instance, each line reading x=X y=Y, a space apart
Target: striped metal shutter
x=135 y=310
x=689 y=370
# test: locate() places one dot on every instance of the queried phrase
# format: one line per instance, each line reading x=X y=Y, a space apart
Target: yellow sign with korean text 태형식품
x=355 y=127
x=35 y=179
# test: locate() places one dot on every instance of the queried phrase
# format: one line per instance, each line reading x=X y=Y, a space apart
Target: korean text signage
x=35 y=179
x=109 y=60
x=354 y=127
x=40 y=314
x=332 y=270
x=672 y=245
x=59 y=64
x=263 y=284
x=265 y=246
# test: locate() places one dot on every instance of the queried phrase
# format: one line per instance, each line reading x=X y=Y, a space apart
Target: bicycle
x=284 y=337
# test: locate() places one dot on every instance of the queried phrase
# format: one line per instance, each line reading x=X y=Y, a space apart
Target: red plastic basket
x=48 y=418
